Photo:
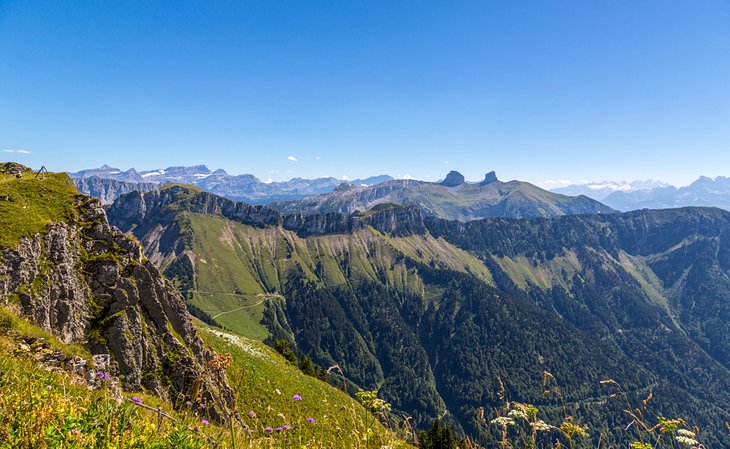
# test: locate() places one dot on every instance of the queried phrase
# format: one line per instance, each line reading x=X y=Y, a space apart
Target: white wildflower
x=521 y=414
x=686 y=440
x=503 y=421
x=542 y=426
x=686 y=433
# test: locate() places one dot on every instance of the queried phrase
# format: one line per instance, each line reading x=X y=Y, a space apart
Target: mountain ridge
x=620 y=282
x=452 y=198
x=243 y=187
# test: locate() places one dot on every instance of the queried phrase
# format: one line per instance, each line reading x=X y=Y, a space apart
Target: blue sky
x=536 y=90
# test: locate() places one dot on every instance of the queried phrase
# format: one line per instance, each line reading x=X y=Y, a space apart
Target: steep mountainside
x=435 y=313
x=107 y=190
x=452 y=198
x=64 y=267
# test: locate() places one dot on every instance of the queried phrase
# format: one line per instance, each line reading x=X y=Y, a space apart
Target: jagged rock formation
x=108 y=190
x=453 y=179
x=87 y=283
x=489 y=178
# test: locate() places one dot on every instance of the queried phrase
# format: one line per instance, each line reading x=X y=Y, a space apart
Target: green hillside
x=239 y=269
x=51 y=397
x=52 y=408
x=440 y=315
x=29 y=204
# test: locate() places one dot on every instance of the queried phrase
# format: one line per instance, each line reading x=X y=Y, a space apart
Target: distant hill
x=452 y=198
x=235 y=187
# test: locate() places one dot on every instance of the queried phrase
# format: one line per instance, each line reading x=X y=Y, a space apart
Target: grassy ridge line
x=233 y=257
x=28 y=205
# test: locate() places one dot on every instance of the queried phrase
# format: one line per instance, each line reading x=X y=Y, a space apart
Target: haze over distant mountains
x=626 y=196
x=244 y=187
x=451 y=198
x=602 y=189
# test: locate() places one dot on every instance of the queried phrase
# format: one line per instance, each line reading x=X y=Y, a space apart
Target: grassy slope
x=33 y=203
x=265 y=385
x=54 y=409
x=232 y=257
x=45 y=409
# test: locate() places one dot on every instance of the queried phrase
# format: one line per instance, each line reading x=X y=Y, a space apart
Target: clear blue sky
x=535 y=90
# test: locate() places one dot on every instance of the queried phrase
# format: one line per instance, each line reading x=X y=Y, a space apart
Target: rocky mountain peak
x=453 y=179
x=489 y=178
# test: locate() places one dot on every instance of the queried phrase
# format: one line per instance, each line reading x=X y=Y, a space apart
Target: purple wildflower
x=188 y=403
x=296 y=397
x=311 y=420
x=49 y=388
x=252 y=414
x=279 y=429
x=201 y=405
x=102 y=375
x=268 y=429
x=286 y=427
x=205 y=422
x=136 y=399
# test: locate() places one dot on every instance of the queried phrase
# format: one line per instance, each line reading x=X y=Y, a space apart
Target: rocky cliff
x=87 y=283
x=108 y=190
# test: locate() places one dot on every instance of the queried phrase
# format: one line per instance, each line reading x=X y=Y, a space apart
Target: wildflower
x=188 y=403
x=542 y=426
x=296 y=397
x=252 y=414
x=311 y=420
x=201 y=405
x=279 y=429
x=49 y=388
x=286 y=427
x=102 y=375
x=205 y=422
x=136 y=399
x=503 y=421
x=686 y=440
x=686 y=433
x=521 y=414
x=268 y=430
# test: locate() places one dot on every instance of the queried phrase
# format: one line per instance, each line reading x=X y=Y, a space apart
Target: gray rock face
x=453 y=179
x=87 y=283
x=108 y=190
x=489 y=178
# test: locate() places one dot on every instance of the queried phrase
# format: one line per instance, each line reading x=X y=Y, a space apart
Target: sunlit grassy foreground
x=279 y=407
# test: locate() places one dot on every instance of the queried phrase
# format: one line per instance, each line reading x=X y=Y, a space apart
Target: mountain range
x=600 y=190
x=108 y=183
x=453 y=198
x=441 y=315
x=625 y=196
